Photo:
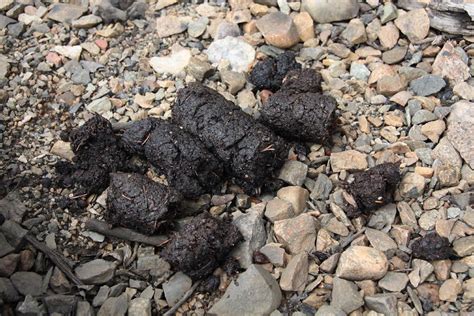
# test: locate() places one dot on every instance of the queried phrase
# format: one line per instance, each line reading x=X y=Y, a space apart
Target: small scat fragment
x=432 y=247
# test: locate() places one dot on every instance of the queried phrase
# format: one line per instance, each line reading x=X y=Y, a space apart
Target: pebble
x=345 y=295
x=390 y=85
x=388 y=35
x=277 y=209
x=297 y=234
x=385 y=304
x=256 y=287
x=415 y=24
x=252 y=228
x=380 y=240
x=359 y=263
x=325 y=12
x=354 y=33
x=198 y=27
x=278 y=30
x=71 y=52
x=293 y=172
x=101 y=296
x=237 y=52
x=449 y=290
x=226 y=28
x=296 y=196
x=449 y=63
x=304 y=26
x=114 y=306
x=100 y=106
x=97 y=271
x=139 y=307
x=199 y=69
x=27 y=283
x=394 y=281
x=170 y=25
x=275 y=254
x=427 y=85
x=86 y=22
x=395 y=55
x=234 y=80
x=295 y=275
x=350 y=160
x=464 y=246
x=174 y=63
x=176 y=287
x=433 y=130
x=322 y=188
x=412 y=185
x=359 y=71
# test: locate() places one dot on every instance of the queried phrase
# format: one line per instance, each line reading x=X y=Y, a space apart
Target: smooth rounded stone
x=176 y=287
x=98 y=271
x=324 y=11
x=236 y=51
x=427 y=85
x=359 y=71
x=278 y=30
x=464 y=90
x=390 y=85
x=359 y=263
x=412 y=185
x=139 y=307
x=252 y=227
x=395 y=55
x=461 y=129
x=86 y=22
x=27 y=283
x=8 y=293
x=278 y=209
x=65 y=13
x=170 y=25
x=304 y=26
x=296 y=196
x=295 y=275
x=433 y=130
x=100 y=106
x=394 y=281
x=349 y=160
x=275 y=254
x=198 y=27
x=450 y=64
x=380 y=240
x=114 y=306
x=449 y=290
x=255 y=292
x=385 y=304
x=464 y=246
x=293 y=172
x=354 y=33
x=345 y=295
x=71 y=52
x=297 y=234
x=311 y=53
x=415 y=24
x=226 y=28
x=174 y=63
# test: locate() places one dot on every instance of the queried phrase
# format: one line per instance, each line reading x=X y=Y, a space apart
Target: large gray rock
x=345 y=295
x=255 y=292
x=65 y=13
x=97 y=271
x=427 y=85
x=324 y=11
x=8 y=293
x=27 y=283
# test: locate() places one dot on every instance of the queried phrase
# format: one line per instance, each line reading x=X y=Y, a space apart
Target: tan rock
x=379 y=71
x=401 y=97
x=295 y=275
x=62 y=149
x=412 y=185
x=442 y=268
x=359 y=263
x=449 y=290
x=296 y=196
x=415 y=24
x=113 y=30
x=278 y=30
x=278 y=209
x=258 y=9
x=393 y=119
x=354 y=33
x=425 y=172
x=464 y=90
x=145 y=101
x=304 y=25
x=464 y=246
x=433 y=130
x=297 y=234
x=450 y=64
x=169 y=25
x=388 y=35
x=364 y=124
x=352 y=160
x=390 y=85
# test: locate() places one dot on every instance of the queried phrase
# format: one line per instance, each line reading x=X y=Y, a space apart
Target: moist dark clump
x=303 y=80
x=249 y=151
x=135 y=201
x=135 y=136
x=432 y=247
x=97 y=153
x=184 y=159
x=373 y=188
x=201 y=246
x=269 y=73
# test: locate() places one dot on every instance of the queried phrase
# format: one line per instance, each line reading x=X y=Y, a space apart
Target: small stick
x=124 y=233
x=56 y=258
x=181 y=301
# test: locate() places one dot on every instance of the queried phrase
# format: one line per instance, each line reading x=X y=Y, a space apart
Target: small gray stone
x=234 y=80
x=345 y=295
x=8 y=293
x=101 y=296
x=385 y=304
x=383 y=218
x=176 y=287
x=114 y=306
x=60 y=304
x=4 y=21
x=226 y=28
x=199 y=69
x=293 y=172
x=394 y=281
x=322 y=188
x=311 y=53
x=389 y=12
x=139 y=307
x=98 y=271
x=100 y=106
x=65 y=13
x=198 y=27
x=5 y=247
x=8 y=264
x=275 y=253
x=252 y=228
x=27 y=283
x=395 y=55
x=427 y=85
x=323 y=11
x=83 y=308
x=360 y=71
x=380 y=240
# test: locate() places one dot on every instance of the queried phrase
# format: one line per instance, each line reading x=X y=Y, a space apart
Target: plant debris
x=135 y=201
x=250 y=151
x=432 y=247
x=202 y=245
x=269 y=73
x=373 y=188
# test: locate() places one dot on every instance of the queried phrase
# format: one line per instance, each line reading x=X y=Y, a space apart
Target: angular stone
x=169 y=25
x=449 y=63
x=86 y=22
x=295 y=195
x=427 y=85
x=252 y=228
x=8 y=293
x=199 y=69
x=390 y=85
x=464 y=90
x=97 y=271
x=100 y=106
x=324 y=11
x=275 y=253
x=464 y=246
x=359 y=263
x=114 y=306
x=433 y=130
x=293 y=172
x=278 y=30
x=354 y=33
x=65 y=13
x=351 y=160
x=394 y=281
x=71 y=52
x=388 y=35
x=27 y=283
x=297 y=234
x=449 y=290
x=415 y=24
x=385 y=304
x=412 y=185
x=345 y=295
x=174 y=63
x=295 y=275
x=395 y=55
x=139 y=307
x=380 y=240
x=461 y=129
x=236 y=51
x=176 y=287
x=234 y=80
x=278 y=209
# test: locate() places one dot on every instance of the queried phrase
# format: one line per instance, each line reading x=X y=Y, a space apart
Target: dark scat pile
x=250 y=151
x=373 y=188
x=202 y=245
x=136 y=202
x=298 y=111
x=432 y=247
x=97 y=153
x=269 y=73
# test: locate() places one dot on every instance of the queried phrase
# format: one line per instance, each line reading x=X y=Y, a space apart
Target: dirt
x=201 y=246
x=301 y=115
x=432 y=247
x=135 y=201
x=373 y=188
x=249 y=151
x=97 y=153
x=269 y=73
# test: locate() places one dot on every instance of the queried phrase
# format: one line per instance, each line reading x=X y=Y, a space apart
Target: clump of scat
x=188 y=165
x=373 y=188
x=202 y=245
x=298 y=111
x=97 y=153
x=250 y=151
x=432 y=247
x=269 y=73
x=135 y=201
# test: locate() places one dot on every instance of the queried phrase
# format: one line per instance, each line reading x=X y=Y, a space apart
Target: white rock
x=236 y=51
x=171 y=64
x=71 y=52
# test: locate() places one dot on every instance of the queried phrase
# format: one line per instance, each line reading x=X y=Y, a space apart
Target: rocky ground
x=403 y=91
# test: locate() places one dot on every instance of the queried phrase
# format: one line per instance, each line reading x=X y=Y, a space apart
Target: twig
x=56 y=258
x=124 y=233
x=181 y=301
x=345 y=242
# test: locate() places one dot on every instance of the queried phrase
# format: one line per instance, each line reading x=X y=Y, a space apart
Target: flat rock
x=385 y=304
x=464 y=246
x=415 y=24
x=169 y=25
x=86 y=22
x=176 y=287
x=351 y=160
x=380 y=240
x=296 y=196
x=174 y=63
x=278 y=30
x=114 y=306
x=297 y=234
x=394 y=281
x=293 y=172
x=256 y=287
x=395 y=55
x=295 y=275
x=239 y=53
x=449 y=290
x=27 y=283
x=100 y=106
x=71 y=52
x=359 y=263
x=252 y=227
x=427 y=85
x=275 y=254
x=461 y=129
x=65 y=13
x=5 y=20
x=345 y=295
x=464 y=90
x=278 y=209
x=97 y=271
x=324 y=11
x=139 y=307
x=450 y=64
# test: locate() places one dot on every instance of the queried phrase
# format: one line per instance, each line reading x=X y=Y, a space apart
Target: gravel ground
x=399 y=241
